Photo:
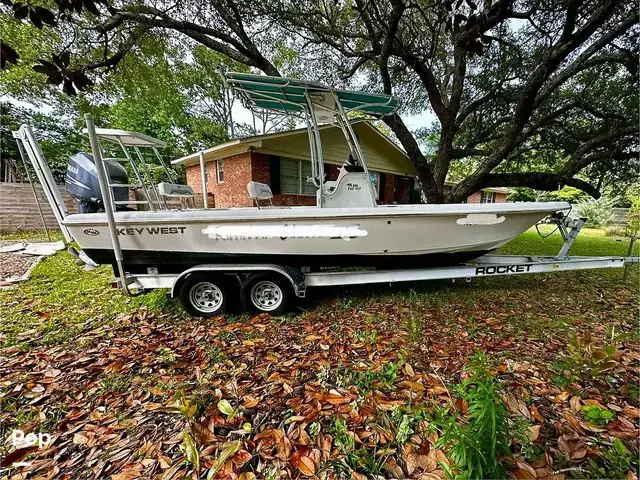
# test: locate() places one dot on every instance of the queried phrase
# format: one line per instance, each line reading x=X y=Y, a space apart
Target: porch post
x=203 y=176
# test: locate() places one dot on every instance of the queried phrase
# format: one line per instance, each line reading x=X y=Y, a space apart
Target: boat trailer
x=284 y=284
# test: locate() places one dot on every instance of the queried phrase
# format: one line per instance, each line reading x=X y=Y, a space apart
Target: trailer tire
x=266 y=293
x=204 y=295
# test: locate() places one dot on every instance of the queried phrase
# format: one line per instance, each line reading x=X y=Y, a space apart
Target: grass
x=590 y=242
x=61 y=299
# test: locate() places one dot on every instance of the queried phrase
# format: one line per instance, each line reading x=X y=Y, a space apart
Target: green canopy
x=288 y=95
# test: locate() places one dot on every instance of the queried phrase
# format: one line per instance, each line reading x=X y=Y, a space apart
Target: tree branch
x=538 y=181
x=527 y=99
x=243 y=51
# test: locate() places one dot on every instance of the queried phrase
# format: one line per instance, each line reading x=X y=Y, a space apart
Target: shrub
x=598 y=212
x=615 y=231
x=566 y=194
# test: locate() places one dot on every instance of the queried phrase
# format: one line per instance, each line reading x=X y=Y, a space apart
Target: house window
x=488 y=197
x=294 y=175
x=375 y=180
x=220 y=170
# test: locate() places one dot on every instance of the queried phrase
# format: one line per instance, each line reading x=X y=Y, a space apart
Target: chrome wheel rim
x=266 y=296
x=206 y=297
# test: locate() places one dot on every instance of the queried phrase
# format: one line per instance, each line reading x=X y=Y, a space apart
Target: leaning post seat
x=175 y=190
x=259 y=191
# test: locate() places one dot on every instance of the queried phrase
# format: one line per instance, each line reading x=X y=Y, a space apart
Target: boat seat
x=175 y=190
x=260 y=191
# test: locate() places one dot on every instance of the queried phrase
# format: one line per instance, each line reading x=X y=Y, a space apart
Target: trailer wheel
x=203 y=295
x=266 y=292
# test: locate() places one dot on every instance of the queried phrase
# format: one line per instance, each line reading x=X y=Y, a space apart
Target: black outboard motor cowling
x=82 y=182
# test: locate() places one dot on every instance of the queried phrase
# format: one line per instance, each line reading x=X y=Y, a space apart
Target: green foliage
x=618 y=461
x=634 y=218
x=155 y=90
x=214 y=354
x=521 y=433
x=522 y=194
x=58 y=139
x=477 y=442
x=598 y=212
x=367 y=336
x=21 y=81
x=115 y=383
x=369 y=380
x=564 y=376
x=413 y=327
x=362 y=460
x=566 y=194
x=597 y=415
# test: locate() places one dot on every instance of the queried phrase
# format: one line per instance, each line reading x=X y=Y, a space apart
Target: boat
x=346 y=228
x=399 y=236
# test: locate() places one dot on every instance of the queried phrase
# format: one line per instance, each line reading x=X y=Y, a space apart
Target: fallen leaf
x=534 y=432
x=575 y=403
x=306 y=466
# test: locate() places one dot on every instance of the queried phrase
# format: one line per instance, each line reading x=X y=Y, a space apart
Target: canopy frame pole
x=203 y=177
x=167 y=170
x=312 y=151
x=352 y=141
x=135 y=171
x=318 y=150
x=151 y=183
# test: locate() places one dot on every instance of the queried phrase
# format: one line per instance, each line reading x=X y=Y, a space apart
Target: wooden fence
x=19 y=210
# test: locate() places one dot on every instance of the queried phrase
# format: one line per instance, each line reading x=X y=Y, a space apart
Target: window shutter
x=274 y=170
x=381 y=187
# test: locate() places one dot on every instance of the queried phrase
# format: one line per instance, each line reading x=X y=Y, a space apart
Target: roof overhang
x=243 y=145
x=224 y=150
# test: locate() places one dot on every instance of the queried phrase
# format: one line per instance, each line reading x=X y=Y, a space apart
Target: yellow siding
x=379 y=154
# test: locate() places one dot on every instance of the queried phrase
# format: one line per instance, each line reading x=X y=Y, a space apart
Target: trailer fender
x=293 y=275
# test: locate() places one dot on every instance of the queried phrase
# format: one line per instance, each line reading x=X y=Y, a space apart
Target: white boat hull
x=308 y=236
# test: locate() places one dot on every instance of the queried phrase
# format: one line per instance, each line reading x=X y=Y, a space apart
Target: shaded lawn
x=590 y=242
x=98 y=370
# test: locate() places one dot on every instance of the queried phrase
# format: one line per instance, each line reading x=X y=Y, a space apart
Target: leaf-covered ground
x=358 y=384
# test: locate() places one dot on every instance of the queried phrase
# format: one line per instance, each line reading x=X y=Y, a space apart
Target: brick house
x=282 y=161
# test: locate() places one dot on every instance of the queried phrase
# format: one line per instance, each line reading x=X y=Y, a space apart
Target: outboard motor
x=82 y=182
